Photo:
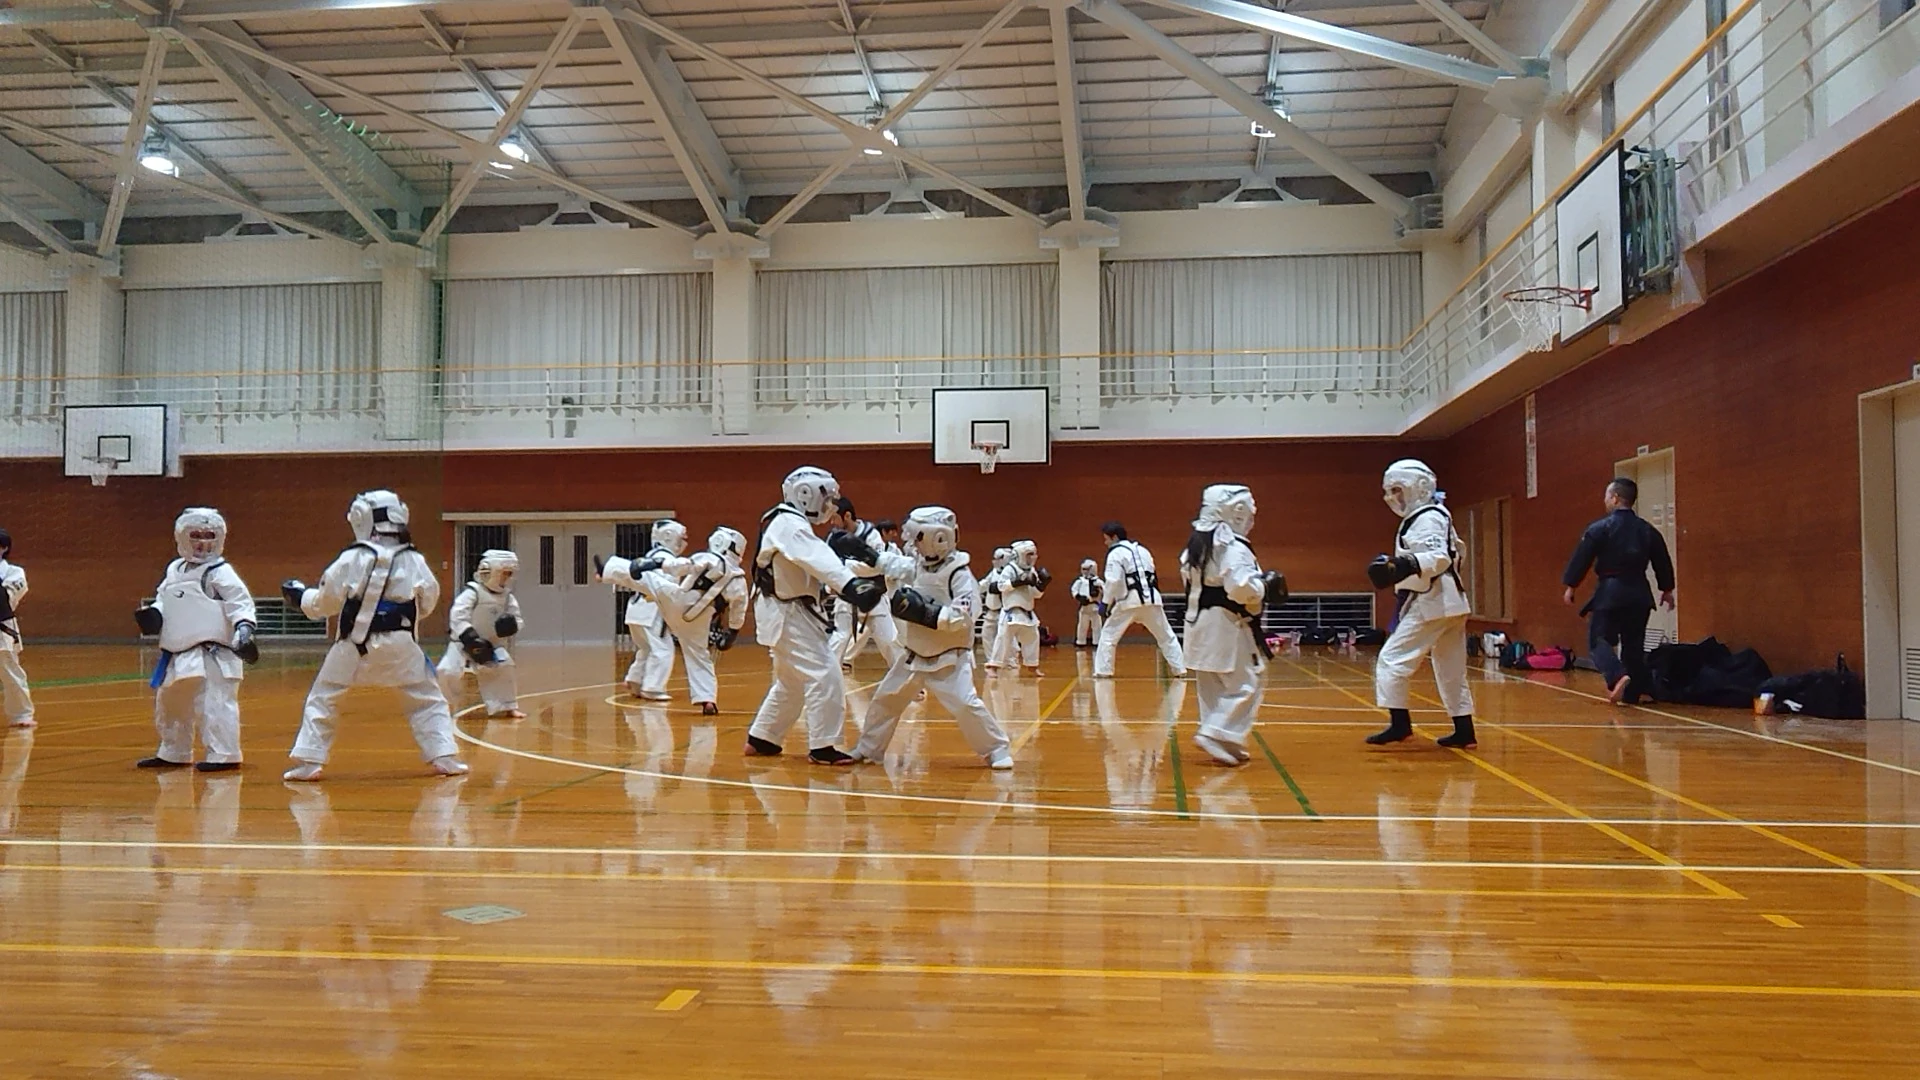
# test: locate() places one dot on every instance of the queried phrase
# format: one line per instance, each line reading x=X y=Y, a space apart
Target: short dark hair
x=1114 y=529
x=886 y=525
x=1625 y=490
x=843 y=504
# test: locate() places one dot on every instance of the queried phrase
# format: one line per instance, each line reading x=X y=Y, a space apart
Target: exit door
x=559 y=598
x=1654 y=473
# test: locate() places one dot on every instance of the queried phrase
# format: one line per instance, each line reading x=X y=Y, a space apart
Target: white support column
x=732 y=256
x=406 y=344
x=96 y=317
x=1080 y=337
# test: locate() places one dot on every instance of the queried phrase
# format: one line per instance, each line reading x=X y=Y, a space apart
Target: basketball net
x=989 y=455
x=99 y=469
x=1536 y=312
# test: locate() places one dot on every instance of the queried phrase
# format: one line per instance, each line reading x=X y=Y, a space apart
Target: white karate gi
x=652 y=645
x=1019 y=638
x=1087 y=591
x=787 y=619
x=478 y=608
x=14 y=694
x=201 y=681
x=679 y=591
x=1433 y=616
x=940 y=660
x=1220 y=645
x=852 y=631
x=1133 y=597
x=990 y=604
x=391 y=657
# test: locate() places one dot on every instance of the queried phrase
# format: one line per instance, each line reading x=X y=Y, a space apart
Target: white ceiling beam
x=857 y=134
x=73 y=200
x=1285 y=131
x=258 y=100
x=127 y=165
x=225 y=198
x=1341 y=39
x=1069 y=113
x=41 y=230
x=515 y=108
x=807 y=194
x=473 y=149
x=1474 y=36
x=483 y=83
x=636 y=55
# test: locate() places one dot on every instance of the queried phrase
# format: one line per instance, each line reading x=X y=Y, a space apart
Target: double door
x=1654 y=473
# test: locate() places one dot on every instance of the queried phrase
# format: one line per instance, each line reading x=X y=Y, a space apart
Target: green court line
x=90 y=680
x=1298 y=795
x=1179 y=779
x=518 y=799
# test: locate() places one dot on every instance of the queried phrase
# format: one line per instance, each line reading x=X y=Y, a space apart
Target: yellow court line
x=640 y=877
x=1020 y=743
x=1733 y=819
x=676 y=1001
x=1572 y=811
x=1325 y=979
x=1782 y=922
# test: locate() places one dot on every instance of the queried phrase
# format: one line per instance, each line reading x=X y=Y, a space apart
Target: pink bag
x=1558 y=658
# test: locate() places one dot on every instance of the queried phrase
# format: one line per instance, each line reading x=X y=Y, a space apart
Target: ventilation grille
x=1342 y=611
x=1910 y=674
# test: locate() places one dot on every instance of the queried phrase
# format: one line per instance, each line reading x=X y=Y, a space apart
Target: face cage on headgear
x=1231 y=503
x=729 y=544
x=812 y=491
x=670 y=536
x=211 y=538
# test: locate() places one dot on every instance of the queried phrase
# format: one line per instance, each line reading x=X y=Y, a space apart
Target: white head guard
x=1409 y=485
x=671 y=535
x=1002 y=556
x=1088 y=567
x=811 y=490
x=201 y=520
x=377 y=513
x=496 y=569
x=1228 y=505
x=729 y=544
x=932 y=531
x=1025 y=553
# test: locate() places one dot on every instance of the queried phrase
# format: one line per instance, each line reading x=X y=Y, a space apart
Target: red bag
x=1558 y=658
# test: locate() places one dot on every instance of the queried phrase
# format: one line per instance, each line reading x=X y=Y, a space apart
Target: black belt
x=1215 y=596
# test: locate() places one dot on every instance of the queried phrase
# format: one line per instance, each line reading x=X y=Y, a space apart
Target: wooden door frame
x=1630 y=468
x=1880 y=550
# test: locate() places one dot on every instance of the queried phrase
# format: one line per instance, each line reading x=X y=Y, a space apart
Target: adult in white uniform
x=482 y=623
x=935 y=609
x=991 y=601
x=702 y=599
x=1423 y=573
x=14 y=695
x=793 y=572
x=1133 y=595
x=1022 y=584
x=380 y=587
x=204 y=617
x=652 y=644
x=1090 y=593
x=858 y=541
x=1225 y=647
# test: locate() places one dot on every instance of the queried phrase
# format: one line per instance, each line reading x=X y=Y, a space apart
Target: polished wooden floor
x=1595 y=893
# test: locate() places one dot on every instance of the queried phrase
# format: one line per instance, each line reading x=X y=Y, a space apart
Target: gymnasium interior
x=553 y=272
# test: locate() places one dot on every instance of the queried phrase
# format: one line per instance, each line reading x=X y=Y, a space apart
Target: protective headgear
x=377 y=513
x=812 y=491
x=933 y=531
x=1002 y=556
x=496 y=569
x=1025 y=553
x=1409 y=485
x=200 y=534
x=1230 y=505
x=1088 y=567
x=671 y=535
x=729 y=544
x=6 y=542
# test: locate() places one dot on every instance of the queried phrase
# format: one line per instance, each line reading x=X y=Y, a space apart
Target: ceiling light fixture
x=514 y=150
x=154 y=156
x=874 y=116
x=1270 y=97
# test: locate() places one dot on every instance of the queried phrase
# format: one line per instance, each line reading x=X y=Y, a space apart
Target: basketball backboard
x=1587 y=223
x=1018 y=420
x=122 y=440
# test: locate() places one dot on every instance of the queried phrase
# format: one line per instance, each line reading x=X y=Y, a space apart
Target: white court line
x=1762 y=736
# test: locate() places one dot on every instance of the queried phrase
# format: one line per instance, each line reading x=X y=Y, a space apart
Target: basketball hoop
x=1536 y=311
x=989 y=452
x=99 y=469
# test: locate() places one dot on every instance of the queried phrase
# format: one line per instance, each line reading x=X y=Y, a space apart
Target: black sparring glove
x=1043 y=577
x=599 y=567
x=916 y=607
x=721 y=638
x=149 y=618
x=1386 y=571
x=506 y=626
x=1276 y=590
x=851 y=548
x=477 y=648
x=244 y=646
x=993 y=587
x=293 y=590
x=864 y=593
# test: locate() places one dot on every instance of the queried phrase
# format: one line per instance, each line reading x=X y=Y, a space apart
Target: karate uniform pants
x=1229 y=700
x=652 y=657
x=806 y=683
x=213 y=702
x=1624 y=629
x=1151 y=616
x=1086 y=629
x=952 y=686
x=1417 y=637
x=876 y=626
x=392 y=659
x=990 y=630
x=13 y=688
x=1019 y=640
x=697 y=654
x=499 y=683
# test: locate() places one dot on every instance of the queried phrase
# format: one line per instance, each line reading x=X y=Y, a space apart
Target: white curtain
x=261 y=349
x=33 y=351
x=632 y=340
x=853 y=335
x=1292 y=324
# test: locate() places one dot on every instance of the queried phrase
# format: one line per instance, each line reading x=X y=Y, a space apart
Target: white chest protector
x=488 y=606
x=192 y=617
x=938 y=585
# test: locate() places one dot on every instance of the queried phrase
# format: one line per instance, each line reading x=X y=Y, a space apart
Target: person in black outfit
x=1619 y=548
